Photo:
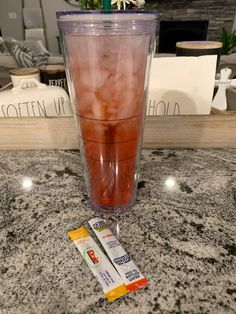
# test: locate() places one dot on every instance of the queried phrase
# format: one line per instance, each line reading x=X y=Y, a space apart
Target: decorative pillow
x=24 y=56
x=40 y=59
x=36 y=46
x=3 y=47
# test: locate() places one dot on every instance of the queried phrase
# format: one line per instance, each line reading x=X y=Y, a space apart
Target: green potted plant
x=116 y=4
x=228 y=40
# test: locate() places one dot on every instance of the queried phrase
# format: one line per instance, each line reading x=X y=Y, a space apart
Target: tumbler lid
x=110 y=15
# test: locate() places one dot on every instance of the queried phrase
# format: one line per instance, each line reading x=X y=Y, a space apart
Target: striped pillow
x=25 y=57
x=3 y=47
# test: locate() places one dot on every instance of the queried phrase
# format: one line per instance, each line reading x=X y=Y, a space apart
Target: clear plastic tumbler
x=107 y=56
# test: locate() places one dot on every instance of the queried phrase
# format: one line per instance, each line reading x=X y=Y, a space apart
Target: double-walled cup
x=107 y=56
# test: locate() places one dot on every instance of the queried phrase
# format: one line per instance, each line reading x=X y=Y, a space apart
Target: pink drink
x=108 y=74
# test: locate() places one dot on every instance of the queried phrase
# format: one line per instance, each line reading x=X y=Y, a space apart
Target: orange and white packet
x=129 y=272
x=102 y=269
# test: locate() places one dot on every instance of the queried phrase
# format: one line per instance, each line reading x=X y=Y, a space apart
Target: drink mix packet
x=129 y=272
x=112 y=284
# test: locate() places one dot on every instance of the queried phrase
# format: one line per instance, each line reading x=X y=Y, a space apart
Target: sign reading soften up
x=181 y=85
x=30 y=98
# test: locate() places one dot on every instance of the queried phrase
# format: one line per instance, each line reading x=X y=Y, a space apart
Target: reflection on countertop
x=181 y=233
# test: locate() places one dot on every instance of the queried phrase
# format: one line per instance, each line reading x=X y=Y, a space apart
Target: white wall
x=14 y=27
x=50 y=7
x=32 y=3
x=11 y=27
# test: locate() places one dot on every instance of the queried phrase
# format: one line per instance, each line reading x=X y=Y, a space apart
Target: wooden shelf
x=216 y=131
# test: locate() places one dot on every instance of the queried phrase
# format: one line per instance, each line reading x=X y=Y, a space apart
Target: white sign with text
x=30 y=98
x=181 y=85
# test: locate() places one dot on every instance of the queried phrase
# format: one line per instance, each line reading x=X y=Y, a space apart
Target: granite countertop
x=181 y=233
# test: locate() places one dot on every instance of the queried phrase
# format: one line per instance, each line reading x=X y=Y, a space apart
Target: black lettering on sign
x=32 y=106
x=161 y=104
x=41 y=109
x=2 y=109
x=151 y=107
x=27 y=108
x=13 y=109
x=164 y=107
x=59 y=106
x=19 y=109
x=176 y=109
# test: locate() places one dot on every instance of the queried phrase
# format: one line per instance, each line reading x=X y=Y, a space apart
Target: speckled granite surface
x=183 y=236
